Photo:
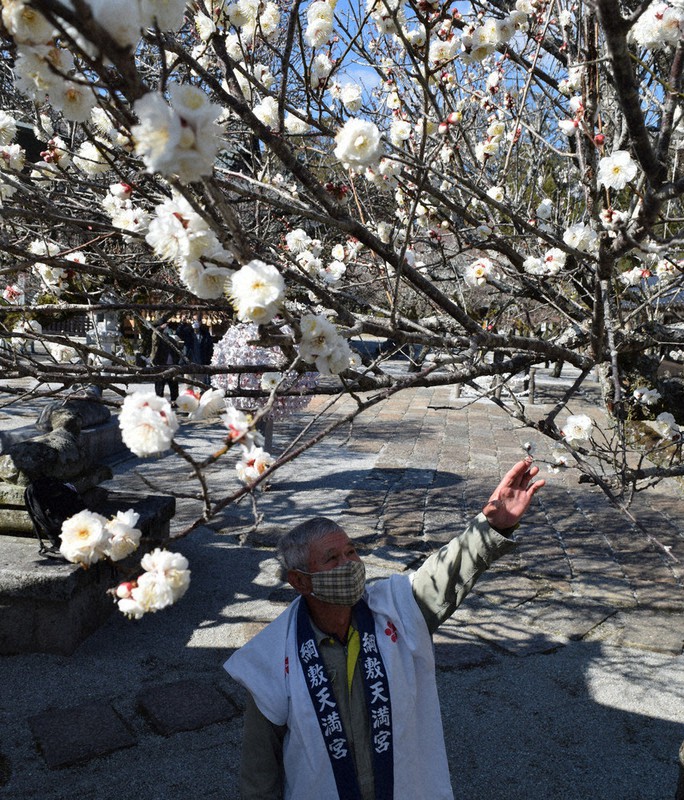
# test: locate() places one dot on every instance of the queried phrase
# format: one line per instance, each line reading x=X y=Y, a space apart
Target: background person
x=166 y=350
x=199 y=346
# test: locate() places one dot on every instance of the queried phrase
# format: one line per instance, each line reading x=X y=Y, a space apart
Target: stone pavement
x=561 y=676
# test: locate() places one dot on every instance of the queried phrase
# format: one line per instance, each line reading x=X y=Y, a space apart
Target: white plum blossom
x=568 y=126
x=254 y=461
x=634 y=276
x=351 y=97
x=478 y=273
x=666 y=269
x=147 y=423
x=270 y=380
x=646 y=396
x=612 y=219
x=666 y=426
x=208 y=283
x=320 y=17
x=358 y=143
x=24 y=23
x=660 y=25
x=91 y=159
x=212 y=402
x=545 y=209
x=123 y=536
x=188 y=401
x=554 y=261
x=123 y=25
x=169 y=15
x=75 y=100
x=581 y=237
x=321 y=344
x=84 y=538
x=257 y=291
x=577 y=429
x=321 y=67
x=333 y=272
x=180 y=138
x=560 y=461
x=400 y=131
x=533 y=265
x=295 y=125
x=616 y=170
x=165 y=580
x=297 y=241
x=267 y=112
x=12 y=157
x=240 y=425
x=177 y=233
x=8 y=128
x=497 y=193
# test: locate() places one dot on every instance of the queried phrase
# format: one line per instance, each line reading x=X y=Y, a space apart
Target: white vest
x=268 y=667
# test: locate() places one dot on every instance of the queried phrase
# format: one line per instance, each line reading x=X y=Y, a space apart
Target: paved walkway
x=560 y=677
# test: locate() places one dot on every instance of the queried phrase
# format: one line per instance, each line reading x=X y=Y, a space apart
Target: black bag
x=49 y=502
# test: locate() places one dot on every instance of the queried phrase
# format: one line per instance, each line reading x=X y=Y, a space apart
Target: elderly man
x=342 y=693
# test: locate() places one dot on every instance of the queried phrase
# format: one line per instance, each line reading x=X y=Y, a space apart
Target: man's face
x=330 y=551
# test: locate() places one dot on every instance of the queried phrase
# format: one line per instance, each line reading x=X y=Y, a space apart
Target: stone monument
x=49 y=605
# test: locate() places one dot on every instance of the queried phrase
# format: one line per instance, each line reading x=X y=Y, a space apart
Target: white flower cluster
x=40 y=64
x=492 y=143
x=388 y=15
x=634 y=276
x=661 y=25
x=53 y=278
x=581 y=237
x=88 y=537
x=551 y=264
x=12 y=156
x=481 y=40
x=646 y=396
x=118 y=204
x=177 y=138
x=253 y=16
x=320 y=16
x=42 y=67
x=240 y=428
x=125 y=19
x=165 y=580
x=148 y=423
x=177 y=233
x=307 y=253
x=321 y=344
x=577 y=429
x=254 y=460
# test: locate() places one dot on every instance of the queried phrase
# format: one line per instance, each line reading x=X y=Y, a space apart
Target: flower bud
x=124 y=589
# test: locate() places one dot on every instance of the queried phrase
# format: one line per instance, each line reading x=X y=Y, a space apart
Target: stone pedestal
x=51 y=606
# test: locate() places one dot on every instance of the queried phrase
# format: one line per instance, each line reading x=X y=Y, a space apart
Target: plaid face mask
x=342 y=585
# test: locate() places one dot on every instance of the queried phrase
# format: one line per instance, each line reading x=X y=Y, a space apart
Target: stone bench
x=51 y=606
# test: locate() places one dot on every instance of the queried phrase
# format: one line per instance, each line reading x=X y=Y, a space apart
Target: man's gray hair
x=294 y=546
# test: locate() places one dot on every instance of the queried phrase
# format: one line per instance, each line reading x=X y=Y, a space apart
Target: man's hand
x=512 y=497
